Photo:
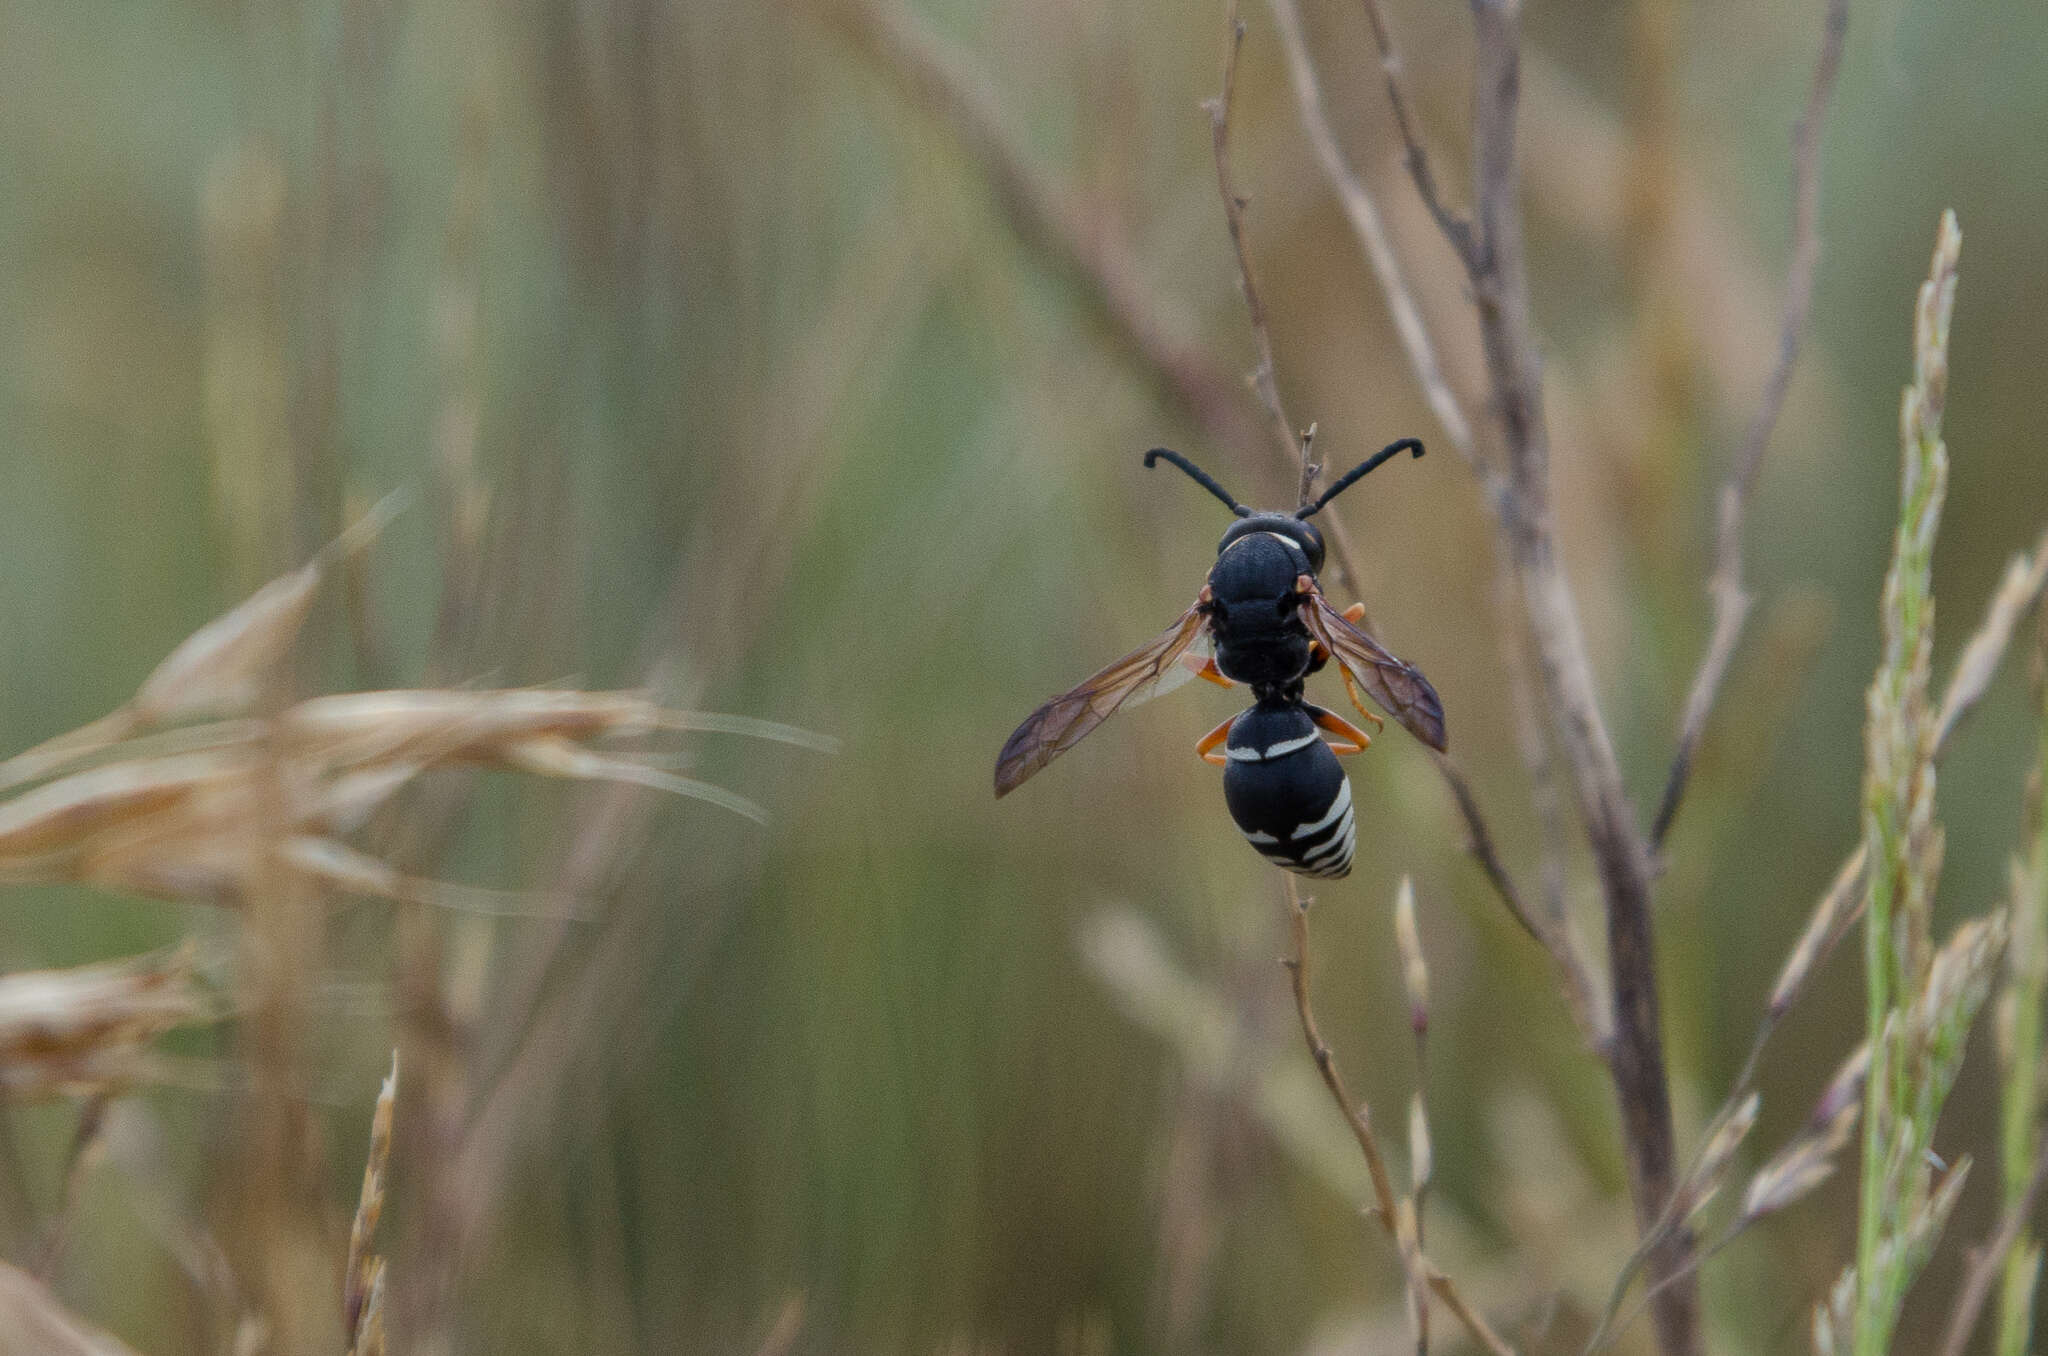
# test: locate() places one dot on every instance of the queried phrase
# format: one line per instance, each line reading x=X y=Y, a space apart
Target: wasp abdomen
x=1288 y=795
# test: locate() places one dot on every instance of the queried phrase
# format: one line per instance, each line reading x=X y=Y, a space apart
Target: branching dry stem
x=1456 y=229
x=1418 y=1270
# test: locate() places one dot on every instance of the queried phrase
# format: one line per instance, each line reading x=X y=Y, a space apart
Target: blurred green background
x=698 y=344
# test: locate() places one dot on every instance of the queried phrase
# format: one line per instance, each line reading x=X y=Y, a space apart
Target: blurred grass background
x=693 y=338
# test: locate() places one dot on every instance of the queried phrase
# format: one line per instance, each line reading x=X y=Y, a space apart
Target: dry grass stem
x=1492 y=251
x=1401 y=1225
x=1370 y=228
x=1456 y=229
x=1264 y=379
x=185 y=825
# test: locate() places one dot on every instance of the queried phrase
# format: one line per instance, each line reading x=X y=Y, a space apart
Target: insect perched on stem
x=1260 y=620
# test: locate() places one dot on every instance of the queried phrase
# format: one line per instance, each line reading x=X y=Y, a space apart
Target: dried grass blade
x=559 y=758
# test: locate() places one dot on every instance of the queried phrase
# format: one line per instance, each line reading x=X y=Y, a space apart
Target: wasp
x=1260 y=620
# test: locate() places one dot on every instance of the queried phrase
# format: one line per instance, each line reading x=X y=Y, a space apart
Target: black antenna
x=1200 y=477
x=1358 y=472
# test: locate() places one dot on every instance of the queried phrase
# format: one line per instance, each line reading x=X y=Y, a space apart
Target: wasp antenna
x=1199 y=476
x=1390 y=451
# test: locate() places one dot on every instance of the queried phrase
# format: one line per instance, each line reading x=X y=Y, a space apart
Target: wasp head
x=1285 y=526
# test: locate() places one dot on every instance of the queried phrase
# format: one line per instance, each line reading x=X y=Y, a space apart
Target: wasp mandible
x=1261 y=620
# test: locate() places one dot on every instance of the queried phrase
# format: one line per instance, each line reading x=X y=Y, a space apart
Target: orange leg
x=1351 y=691
x=1350 y=739
x=1207 y=669
x=1210 y=744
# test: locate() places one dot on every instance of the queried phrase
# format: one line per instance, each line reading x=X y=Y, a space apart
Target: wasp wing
x=1398 y=687
x=1181 y=672
x=1064 y=721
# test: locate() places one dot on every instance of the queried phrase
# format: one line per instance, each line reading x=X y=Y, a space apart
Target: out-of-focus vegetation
x=712 y=360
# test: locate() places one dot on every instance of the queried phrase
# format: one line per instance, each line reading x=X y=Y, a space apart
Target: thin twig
x=1548 y=932
x=1264 y=380
x=1457 y=230
x=1731 y=600
x=1986 y=1262
x=1358 y=1117
x=1370 y=228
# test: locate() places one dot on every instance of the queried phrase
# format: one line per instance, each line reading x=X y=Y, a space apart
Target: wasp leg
x=1209 y=744
x=1353 y=739
x=1351 y=690
x=1207 y=669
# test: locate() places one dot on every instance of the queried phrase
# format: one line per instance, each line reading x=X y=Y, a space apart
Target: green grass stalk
x=1901 y=839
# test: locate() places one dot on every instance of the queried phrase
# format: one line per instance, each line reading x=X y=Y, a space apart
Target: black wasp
x=1260 y=620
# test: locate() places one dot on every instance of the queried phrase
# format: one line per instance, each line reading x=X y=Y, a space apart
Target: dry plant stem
x=1731 y=600
x=1546 y=929
x=1494 y=261
x=1457 y=230
x=1988 y=1261
x=1418 y=1269
x=1370 y=228
x=1264 y=380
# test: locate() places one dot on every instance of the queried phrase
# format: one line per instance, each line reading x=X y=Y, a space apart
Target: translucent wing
x=1180 y=673
x=1398 y=687
x=1064 y=721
